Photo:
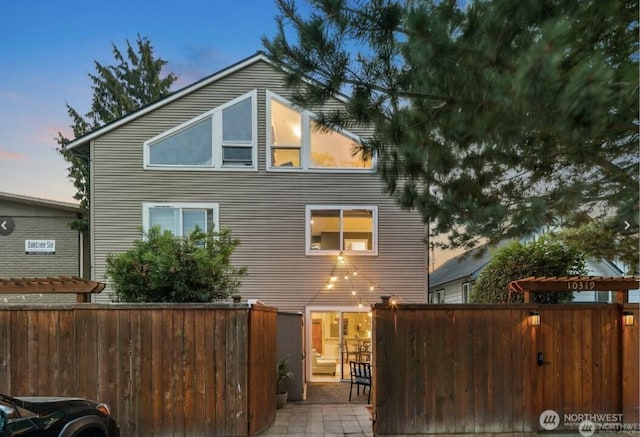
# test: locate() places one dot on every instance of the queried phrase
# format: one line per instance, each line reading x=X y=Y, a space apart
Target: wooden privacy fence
x=456 y=369
x=165 y=369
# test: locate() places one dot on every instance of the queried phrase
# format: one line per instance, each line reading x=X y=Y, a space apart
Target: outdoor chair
x=360 y=376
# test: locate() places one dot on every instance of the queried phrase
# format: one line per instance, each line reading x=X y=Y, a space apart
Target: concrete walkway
x=326 y=411
x=304 y=419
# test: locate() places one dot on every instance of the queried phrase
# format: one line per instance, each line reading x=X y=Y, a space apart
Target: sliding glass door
x=336 y=336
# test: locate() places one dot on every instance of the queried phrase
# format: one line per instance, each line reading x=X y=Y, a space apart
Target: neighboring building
x=453 y=281
x=36 y=241
x=233 y=150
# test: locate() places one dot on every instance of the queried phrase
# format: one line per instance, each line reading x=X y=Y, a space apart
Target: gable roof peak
x=258 y=56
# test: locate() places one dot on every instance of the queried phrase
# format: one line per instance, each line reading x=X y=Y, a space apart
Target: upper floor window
x=296 y=141
x=224 y=137
x=180 y=218
x=349 y=229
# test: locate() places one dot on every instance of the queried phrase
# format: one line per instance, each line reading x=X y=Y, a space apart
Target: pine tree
x=492 y=117
x=134 y=81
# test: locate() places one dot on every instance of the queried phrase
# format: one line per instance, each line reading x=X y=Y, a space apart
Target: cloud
x=11 y=156
x=196 y=63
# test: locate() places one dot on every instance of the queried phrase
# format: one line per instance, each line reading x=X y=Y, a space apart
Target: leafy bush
x=164 y=268
x=544 y=257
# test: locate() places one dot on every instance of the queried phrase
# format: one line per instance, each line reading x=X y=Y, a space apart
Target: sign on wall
x=41 y=247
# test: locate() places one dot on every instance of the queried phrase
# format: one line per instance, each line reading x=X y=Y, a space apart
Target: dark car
x=59 y=417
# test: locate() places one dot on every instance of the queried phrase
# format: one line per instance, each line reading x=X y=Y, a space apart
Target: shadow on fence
x=165 y=369
x=456 y=369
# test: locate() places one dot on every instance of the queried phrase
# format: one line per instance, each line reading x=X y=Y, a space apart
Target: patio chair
x=360 y=376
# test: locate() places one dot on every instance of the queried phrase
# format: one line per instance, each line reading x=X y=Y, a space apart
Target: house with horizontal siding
x=317 y=233
x=37 y=242
x=453 y=281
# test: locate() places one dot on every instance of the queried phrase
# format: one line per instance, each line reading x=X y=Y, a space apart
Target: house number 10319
x=581 y=285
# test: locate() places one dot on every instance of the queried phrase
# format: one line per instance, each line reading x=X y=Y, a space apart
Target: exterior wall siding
x=35 y=222
x=264 y=209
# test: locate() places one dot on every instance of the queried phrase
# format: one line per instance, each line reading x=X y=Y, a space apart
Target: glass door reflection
x=356 y=339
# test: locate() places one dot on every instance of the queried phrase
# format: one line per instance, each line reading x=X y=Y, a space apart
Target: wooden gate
x=579 y=363
x=488 y=369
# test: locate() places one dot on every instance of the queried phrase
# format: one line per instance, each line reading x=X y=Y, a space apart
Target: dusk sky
x=48 y=48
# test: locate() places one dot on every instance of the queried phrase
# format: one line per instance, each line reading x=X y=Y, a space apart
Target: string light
x=345 y=269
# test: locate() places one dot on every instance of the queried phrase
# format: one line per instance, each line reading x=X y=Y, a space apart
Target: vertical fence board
x=67 y=352
x=517 y=374
x=586 y=394
x=529 y=381
x=596 y=359
x=156 y=414
x=200 y=371
x=6 y=362
x=124 y=349
x=616 y=360
x=431 y=361
x=220 y=370
x=164 y=370
x=197 y=392
x=630 y=376
x=420 y=371
x=210 y=379
x=607 y=363
x=480 y=369
x=178 y=380
x=188 y=360
x=480 y=366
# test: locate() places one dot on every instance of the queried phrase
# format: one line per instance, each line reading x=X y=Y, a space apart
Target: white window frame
x=305 y=142
x=440 y=296
x=466 y=292
x=215 y=207
x=217 y=141
x=341 y=208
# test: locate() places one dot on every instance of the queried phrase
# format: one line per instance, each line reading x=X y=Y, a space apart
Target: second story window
x=222 y=138
x=335 y=229
x=180 y=218
x=295 y=141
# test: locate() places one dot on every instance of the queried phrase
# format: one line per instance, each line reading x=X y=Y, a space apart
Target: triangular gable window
x=296 y=141
x=188 y=146
x=223 y=138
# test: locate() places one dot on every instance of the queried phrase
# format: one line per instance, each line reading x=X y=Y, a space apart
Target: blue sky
x=48 y=48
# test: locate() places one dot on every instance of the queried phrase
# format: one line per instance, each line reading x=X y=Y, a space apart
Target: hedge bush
x=161 y=267
x=544 y=257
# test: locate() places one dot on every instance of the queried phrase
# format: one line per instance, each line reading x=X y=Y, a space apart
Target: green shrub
x=544 y=257
x=164 y=268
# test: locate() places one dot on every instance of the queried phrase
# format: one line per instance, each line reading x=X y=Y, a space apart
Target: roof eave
x=85 y=140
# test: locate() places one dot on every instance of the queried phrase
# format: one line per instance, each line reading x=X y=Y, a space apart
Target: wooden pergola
x=621 y=285
x=82 y=288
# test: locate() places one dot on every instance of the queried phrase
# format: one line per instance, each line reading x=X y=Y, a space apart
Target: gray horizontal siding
x=265 y=210
x=38 y=222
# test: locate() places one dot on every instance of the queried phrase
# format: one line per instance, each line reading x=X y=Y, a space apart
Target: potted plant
x=282 y=374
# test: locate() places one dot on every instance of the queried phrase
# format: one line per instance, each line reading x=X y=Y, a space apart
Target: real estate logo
x=549 y=420
x=587 y=428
